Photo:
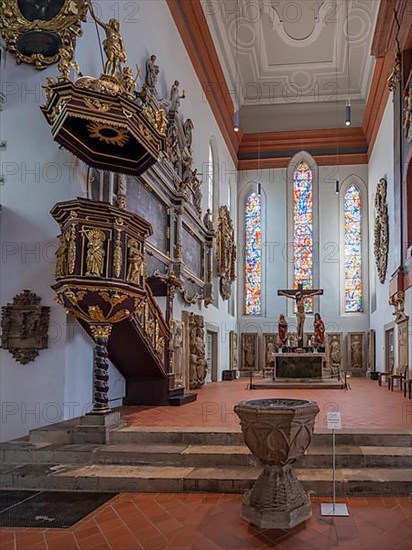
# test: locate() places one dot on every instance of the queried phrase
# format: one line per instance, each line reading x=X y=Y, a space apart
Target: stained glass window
x=253 y=255
x=303 y=229
x=353 y=250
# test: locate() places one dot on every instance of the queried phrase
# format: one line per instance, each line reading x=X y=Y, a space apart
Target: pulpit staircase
x=134 y=351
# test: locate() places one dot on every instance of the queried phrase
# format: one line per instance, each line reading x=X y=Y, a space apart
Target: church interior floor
x=366 y=406
x=212 y=521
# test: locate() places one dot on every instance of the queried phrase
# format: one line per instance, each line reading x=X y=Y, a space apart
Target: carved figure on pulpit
x=95 y=252
x=61 y=257
x=319 y=331
x=282 y=330
x=175 y=96
x=136 y=272
x=188 y=128
x=112 y=45
x=152 y=72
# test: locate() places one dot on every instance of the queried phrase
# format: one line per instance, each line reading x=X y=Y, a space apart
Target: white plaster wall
x=381 y=165
x=274 y=242
x=62 y=374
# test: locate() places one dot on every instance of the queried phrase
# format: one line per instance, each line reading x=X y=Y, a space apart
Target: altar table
x=298 y=365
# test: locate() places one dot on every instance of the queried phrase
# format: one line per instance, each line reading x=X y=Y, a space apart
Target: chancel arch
x=301 y=250
x=353 y=224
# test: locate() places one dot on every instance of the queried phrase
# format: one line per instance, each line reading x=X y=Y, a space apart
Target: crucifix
x=299 y=295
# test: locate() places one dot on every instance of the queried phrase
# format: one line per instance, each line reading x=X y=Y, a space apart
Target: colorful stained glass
x=353 y=250
x=253 y=255
x=303 y=229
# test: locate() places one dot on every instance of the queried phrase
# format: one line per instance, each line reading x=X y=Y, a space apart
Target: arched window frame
x=213 y=178
x=243 y=197
x=302 y=156
x=346 y=184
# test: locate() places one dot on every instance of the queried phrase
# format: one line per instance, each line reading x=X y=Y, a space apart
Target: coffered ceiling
x=291 y=64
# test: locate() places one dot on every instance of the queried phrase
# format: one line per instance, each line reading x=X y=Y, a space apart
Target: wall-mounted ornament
x=25 y=324
x=407 y=113
x=226 y=252
x=381 y=232
x=35 y=31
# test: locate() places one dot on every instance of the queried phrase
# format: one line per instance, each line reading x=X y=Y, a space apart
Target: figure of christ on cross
x=299 y=296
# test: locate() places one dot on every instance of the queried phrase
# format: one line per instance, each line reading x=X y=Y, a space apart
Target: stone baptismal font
x=278 y=432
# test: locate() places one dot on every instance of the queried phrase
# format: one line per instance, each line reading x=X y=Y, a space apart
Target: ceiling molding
x=377 y=99
x=386 y=28
x=328 y=147
x=353 y=143
x=191 y=23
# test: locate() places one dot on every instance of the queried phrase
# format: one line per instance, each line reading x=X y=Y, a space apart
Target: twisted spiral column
x=101 y=335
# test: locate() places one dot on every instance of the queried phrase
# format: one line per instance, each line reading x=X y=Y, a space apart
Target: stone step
x=317 y=456
x=120 y=478
x=233 y=436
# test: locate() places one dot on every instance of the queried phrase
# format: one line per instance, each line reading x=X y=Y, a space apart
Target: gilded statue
x=136 y=272
x=61 y=257
x=161 y=121
x=127 y=80
x=66 y=62
x=112 y=45
x=95 y=252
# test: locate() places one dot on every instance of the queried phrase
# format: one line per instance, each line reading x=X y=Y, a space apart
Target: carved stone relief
x=234 y=352
x=179 y=365
x=403 y=361
x=249 y=351
x=269 y=347
x=356 y=353
x=195 y=350
x=25 y=324
x=226 y=252
x=334 y=352
x=381 y=232
x=371 y=350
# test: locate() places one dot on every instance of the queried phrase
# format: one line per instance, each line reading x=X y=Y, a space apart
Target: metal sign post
x=334 y=508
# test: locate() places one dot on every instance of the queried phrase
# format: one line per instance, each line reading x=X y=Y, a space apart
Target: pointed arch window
x=352 y=208
x=253 y=254
x=303 y=228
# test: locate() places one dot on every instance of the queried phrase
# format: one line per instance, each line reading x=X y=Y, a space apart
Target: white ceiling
x=282 y=58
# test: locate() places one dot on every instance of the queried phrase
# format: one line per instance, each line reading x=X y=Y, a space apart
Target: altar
x=298 y=365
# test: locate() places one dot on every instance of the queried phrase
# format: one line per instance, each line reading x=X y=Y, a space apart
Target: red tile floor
x=210 y=522
x=365 y=406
